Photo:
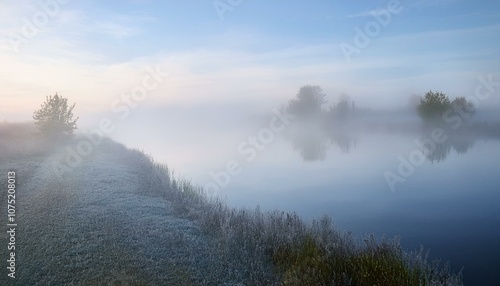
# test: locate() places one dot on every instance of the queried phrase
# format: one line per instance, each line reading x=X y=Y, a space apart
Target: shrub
x=55 y=119
x=308 y=102
x=433 y=106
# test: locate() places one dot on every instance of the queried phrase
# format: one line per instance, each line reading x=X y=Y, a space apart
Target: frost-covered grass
x=262 y=248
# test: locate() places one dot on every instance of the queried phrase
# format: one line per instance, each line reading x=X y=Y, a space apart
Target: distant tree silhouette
x=55 y=119
x=460 y=104
x=343 y=109
x=308 y=102
x=433 y=106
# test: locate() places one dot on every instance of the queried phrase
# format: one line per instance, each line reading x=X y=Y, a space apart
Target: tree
x=464 y=107
x=343 y=109
x=433 y=106
x=309 y=101
x=55 y=119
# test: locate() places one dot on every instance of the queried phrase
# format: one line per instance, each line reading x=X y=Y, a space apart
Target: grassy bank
x=275 y=247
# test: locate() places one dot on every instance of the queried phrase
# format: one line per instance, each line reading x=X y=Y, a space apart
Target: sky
x=239 y=54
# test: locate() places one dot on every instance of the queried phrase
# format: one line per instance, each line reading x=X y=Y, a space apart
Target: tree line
x=55 y=117
x=432 y=107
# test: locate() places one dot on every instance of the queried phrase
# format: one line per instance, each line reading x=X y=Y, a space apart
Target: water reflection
x=343 y=139
x=438 y=151
x=309 y=141
x=312 y=139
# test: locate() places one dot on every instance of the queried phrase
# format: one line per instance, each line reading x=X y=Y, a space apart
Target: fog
x=196 y=139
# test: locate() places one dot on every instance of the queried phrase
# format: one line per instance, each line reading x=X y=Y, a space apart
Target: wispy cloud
x=122 y=26
x=116 y=30
x=370 y=13
x=419 y=4
x=135 y=17
x=430 y=3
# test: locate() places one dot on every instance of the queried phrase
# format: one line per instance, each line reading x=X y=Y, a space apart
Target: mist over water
x=448 y=201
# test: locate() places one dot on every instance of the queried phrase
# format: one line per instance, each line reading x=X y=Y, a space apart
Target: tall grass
x=279 y=248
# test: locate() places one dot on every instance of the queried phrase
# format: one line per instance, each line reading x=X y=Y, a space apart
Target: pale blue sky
x=257 y=53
